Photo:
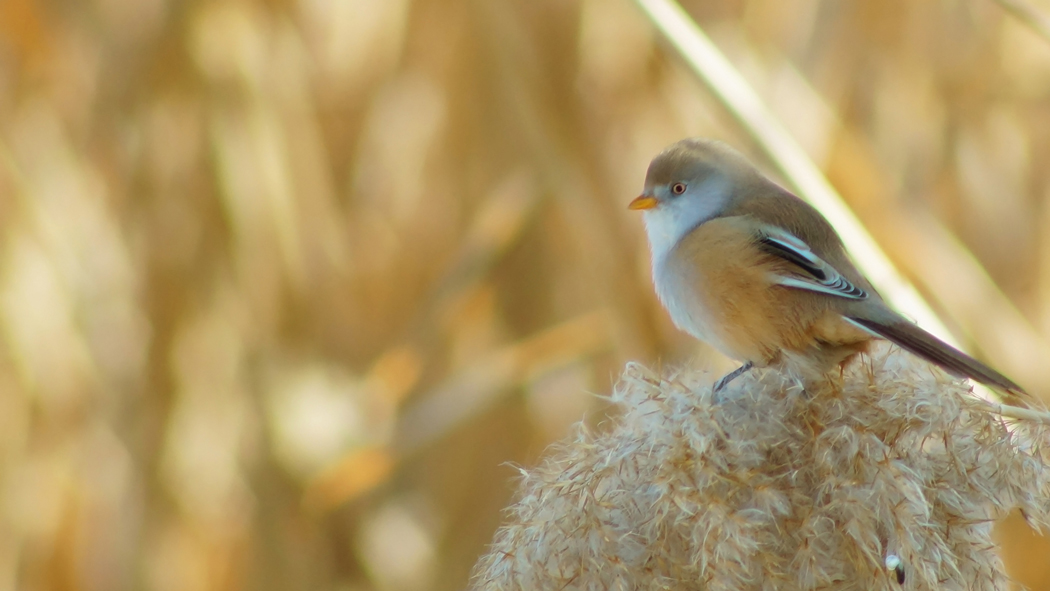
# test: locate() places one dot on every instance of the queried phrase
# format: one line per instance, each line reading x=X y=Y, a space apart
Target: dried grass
x=284 y=283
x=767 y=485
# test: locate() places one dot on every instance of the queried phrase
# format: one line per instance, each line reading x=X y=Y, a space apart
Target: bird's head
x=687 y=184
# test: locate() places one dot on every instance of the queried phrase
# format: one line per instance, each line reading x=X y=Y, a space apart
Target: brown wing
x=772 y=205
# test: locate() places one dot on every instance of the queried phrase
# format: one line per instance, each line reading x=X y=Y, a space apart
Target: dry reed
x=284 y=283
x=769 y=485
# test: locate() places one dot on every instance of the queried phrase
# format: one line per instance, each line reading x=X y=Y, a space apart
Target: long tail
x=919 y=342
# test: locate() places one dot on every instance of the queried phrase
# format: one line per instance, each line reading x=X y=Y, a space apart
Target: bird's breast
x=680 y=296
x=715 y=286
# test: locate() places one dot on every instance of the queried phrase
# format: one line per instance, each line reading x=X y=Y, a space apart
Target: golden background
x=287 y=287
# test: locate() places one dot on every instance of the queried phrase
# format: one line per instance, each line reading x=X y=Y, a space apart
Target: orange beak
x=642 y=202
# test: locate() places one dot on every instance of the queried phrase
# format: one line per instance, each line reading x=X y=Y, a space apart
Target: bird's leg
x=729 y=377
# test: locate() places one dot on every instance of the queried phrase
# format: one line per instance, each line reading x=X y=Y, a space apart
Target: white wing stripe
x=816 y=274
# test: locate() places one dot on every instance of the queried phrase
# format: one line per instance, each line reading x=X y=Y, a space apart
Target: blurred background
x=289 y=287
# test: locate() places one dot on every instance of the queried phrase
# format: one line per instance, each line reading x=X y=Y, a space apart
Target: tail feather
x=919 y=342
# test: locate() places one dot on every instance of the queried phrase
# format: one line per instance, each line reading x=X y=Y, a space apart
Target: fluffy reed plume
x=769 y=486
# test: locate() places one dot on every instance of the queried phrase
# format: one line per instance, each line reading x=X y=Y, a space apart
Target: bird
x=746 y=266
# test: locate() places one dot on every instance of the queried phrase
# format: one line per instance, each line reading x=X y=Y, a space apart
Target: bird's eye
x=678 y=188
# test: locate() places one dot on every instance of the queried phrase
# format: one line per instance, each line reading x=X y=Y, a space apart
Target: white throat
x=666 y=225
x=669 y=222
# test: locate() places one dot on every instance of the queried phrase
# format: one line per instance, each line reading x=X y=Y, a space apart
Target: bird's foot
x=729 y=377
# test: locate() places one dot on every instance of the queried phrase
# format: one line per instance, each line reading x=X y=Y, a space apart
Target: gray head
x=687 y=184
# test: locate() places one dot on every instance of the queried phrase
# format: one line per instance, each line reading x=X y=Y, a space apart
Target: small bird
x=744 y=265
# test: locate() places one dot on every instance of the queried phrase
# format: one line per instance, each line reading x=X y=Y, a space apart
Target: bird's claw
x=729 y=377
